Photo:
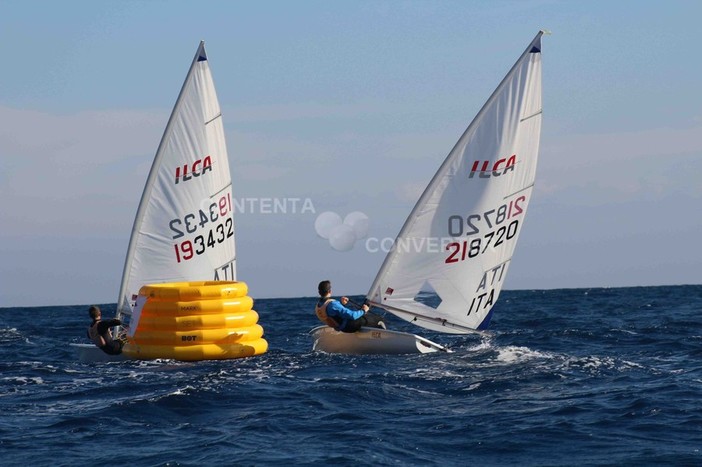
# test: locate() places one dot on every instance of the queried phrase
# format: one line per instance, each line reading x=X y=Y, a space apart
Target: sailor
x=333 y=313
x=99 y=332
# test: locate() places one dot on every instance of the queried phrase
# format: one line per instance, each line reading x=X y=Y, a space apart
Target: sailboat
x=473 y=209
x=184 y=227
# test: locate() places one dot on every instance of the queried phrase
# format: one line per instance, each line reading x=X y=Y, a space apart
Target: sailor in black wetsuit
x=99 y=332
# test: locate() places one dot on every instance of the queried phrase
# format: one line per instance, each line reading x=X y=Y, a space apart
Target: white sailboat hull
x=88 y=353
x=369 y=341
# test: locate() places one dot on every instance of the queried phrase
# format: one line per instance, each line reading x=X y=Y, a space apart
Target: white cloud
x=69 y=173
x=618 y=166
x=410 y=192
x=587 y=150
x=297 y=111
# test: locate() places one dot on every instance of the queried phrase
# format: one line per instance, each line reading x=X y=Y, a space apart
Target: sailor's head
x=94 y=312
x=324 y=288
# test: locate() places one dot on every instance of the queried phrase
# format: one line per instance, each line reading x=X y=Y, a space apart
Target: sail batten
x=214 y=195
x=474 y=207
x=213 y=119
x=519 y=191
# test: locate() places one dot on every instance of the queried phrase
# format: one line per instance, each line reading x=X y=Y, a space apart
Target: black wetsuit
x=111 y=347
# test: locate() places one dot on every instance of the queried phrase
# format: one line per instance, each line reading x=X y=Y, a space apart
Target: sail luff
x=123 y=301
x=420 y=208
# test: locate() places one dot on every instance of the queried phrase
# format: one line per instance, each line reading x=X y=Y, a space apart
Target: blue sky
x=352 y=105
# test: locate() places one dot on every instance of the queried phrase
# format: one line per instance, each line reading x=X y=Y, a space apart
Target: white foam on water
x=515 y=354
x=24 y=379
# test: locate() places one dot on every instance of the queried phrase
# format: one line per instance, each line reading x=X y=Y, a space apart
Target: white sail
x=184 y=227
x=459 y=238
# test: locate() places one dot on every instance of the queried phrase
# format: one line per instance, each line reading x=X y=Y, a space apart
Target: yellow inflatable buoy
x=195 y=321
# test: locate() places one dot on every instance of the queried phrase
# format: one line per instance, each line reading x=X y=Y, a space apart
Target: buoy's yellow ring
x=193 y=322
x=214 y=306
x=189 y=291
x=240 y=335
x=196 y=352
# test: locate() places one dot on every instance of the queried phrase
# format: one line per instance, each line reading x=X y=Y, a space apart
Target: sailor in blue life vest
x=99 y=332
x=333 y=313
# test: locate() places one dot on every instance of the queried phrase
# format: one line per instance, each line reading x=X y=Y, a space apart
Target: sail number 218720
x=499 y=222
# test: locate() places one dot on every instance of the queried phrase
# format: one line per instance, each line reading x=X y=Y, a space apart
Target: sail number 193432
x=496 y=220
x=221 y=227
x=188 y=249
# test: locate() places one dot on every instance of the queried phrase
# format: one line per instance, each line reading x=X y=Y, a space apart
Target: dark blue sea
x=565 y=377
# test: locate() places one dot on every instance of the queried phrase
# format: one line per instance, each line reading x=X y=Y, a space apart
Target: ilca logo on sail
x=199 y=167
x=497 y=169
